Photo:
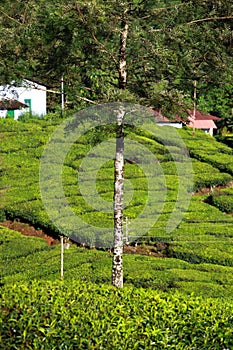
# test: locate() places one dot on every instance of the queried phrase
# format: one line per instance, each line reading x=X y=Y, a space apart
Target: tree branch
x=94 y=37
x=87 y=100
x=208 y=19
x=11 y=18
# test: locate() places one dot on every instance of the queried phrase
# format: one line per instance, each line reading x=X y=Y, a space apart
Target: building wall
x=36 y=94
x=3 y=114
x=28 y=92
x=175 y=125
x=209 y=131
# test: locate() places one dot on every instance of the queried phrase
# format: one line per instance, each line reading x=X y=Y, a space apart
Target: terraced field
x=177 y=278
x=197 y=250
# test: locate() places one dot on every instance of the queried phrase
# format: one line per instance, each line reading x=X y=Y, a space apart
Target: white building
x=29 y=93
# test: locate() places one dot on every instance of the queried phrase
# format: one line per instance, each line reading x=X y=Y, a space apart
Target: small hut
x=8 y=106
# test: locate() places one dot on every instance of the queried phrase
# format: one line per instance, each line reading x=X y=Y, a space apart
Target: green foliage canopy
x=169 y=45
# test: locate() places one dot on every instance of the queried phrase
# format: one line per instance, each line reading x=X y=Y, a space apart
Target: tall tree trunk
x=194 y=104
x=117 y=264
x=122 y=56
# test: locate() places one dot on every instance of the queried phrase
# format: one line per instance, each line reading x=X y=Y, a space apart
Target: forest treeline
x=141 y=51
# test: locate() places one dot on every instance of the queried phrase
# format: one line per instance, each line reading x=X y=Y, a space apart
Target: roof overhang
x=203 y=124
x=11 y=104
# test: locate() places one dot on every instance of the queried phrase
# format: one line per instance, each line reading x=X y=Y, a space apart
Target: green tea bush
x=2 y=215
x=223 y=163
x=222 y=199
x=211 y=179
x=205 y=175
x=27 y=258
x=224 y=203
x=22 y=147
x=13 y=126
x=206 y=149
x=150 y=143
x=200 y=252
x=74 y=315
x=227 y=139
x=203 y=141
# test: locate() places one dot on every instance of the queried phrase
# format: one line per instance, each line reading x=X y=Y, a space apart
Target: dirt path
x=158 y=250
x=28 y=230
x=207 y=190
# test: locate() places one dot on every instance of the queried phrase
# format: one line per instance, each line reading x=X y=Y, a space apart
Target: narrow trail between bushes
x=29 y=230
x=208 y=190
x=158 y=250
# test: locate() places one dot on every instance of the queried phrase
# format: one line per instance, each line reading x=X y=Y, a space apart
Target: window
x=10 y=113
x=28 y=102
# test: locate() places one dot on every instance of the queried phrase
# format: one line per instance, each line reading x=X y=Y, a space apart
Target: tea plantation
x=178 y=295
x=78 y=315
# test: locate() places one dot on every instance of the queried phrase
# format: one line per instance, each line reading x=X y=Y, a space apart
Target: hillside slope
x=80 y=315
x=203 y=238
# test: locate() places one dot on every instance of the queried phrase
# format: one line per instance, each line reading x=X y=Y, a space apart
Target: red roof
x=201 y=121
x=203 y=124
x=162 y=119
x=201 y=116
x=11 y=104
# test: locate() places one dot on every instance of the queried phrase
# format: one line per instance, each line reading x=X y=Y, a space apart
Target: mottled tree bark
x=122 y=55
x=117 y=266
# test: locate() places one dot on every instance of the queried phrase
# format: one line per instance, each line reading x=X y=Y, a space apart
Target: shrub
x=222 y=202
x=45 y=315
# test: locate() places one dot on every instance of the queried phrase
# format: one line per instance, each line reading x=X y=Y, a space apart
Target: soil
x=157 y=250
x=207 y=190
x=28 y=230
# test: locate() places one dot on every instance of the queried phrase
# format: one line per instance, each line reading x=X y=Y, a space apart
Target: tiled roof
x=201 y=116
x=202 y=121
x=11 y=104
x=162 y=119
x=203 y=124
